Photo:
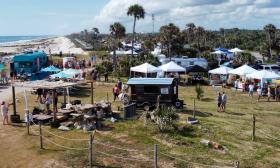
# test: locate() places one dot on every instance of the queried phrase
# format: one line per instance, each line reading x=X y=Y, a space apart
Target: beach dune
x=51 y=45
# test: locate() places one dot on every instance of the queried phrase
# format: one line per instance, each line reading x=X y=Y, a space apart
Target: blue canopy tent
x=51 y=69
x=61 y=75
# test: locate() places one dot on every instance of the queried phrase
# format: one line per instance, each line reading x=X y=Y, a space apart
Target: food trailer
x=145 y=91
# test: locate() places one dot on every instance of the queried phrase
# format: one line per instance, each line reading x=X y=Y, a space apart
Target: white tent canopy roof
x=235 y=50
x=171 y=67
x=223 y=70
x=243 y=70
x=145 y=68
x=218 y=52
x=263 y=74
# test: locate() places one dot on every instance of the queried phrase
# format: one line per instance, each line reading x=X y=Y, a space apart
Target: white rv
x=186 y=62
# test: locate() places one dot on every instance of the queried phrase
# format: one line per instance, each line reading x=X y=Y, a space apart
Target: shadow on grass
x=207 y=100
x=234 y=113
x=197 y=113
x=106 y=128
x=80 y=92
x=101 y=166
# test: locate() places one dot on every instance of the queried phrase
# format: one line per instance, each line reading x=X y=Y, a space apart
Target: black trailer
x=145 y=91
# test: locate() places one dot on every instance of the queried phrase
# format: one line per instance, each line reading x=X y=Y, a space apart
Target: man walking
x=224 y=102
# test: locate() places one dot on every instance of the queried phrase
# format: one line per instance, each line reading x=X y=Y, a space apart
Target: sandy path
x=17 y=148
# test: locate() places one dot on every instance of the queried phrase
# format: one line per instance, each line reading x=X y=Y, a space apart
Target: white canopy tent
x=263 y=75
x=223 y=70
x=118 y=52
x=145 y=68
x=172 y=67
x=218 y=52
x=243 y=70
x=236 y=50
x=129 y=52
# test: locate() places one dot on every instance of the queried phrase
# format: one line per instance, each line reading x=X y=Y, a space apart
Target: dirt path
x=17 y=148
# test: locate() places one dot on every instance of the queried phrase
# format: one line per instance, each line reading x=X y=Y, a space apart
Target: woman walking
x=219 y=102
x=4 y=112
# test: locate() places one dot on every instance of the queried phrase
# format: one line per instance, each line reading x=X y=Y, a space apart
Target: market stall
x=219 y=75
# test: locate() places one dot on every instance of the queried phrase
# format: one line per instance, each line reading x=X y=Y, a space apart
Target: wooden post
x=91 y=86
x=54 y=110
x=14 y=100
x=107 y=97
x=155 y=156
x=64 y=95
x=254 y=127
x=193 y=108
x=27 y=121
x=41 y=136
x=90 y=150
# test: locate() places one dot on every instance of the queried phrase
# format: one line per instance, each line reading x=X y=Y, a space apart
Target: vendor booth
x=219 y=75
x=145 y=68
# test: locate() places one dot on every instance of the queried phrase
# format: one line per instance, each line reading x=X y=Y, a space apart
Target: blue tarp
x=150 y=81
x=61 y=75
x=29 y=56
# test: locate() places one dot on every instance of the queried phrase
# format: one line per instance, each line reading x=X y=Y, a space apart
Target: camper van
x=186 y=62
x=29 y=62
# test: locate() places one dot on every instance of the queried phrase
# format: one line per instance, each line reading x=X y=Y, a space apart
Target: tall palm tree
x=95 y=31
x=200 y=33
x=222 y=31
x=270 y=31
x=236 y=32
x=117 y=31
x=168 y=34
x=190 y=27
x=138 y=12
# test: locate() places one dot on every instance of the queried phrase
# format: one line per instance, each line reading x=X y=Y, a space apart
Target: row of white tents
x=147 y=68
x=247 y=72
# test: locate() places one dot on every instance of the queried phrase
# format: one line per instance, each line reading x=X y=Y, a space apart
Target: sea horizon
x=4 y=40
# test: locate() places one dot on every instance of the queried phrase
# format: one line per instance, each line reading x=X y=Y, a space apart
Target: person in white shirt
x=4 y=112
x=251 y=90
x=259 y=91
x=224 y=102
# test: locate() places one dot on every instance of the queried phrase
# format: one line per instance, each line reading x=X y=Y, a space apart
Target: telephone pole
x=153 y=18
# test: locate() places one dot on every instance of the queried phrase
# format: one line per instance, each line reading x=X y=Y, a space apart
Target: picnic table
x=85 y=108
x=65 y=111
x=42 y=117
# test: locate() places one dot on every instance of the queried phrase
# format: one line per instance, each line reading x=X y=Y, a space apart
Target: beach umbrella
x=51 y=69
x=61 y=75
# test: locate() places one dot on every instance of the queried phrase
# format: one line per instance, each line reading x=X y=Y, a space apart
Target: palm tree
x=168 y=34
x=270 y=31
x=200 y=33
x=117 y=31
x=190 y=27
x=236 y=32
x=137 y=12
x=222 y=31
x=95 y=31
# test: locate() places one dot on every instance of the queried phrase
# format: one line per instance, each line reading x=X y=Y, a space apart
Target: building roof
x=28 y=56
x=150 y=81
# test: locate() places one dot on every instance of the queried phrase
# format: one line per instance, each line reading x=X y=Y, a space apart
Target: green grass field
x=232 y=129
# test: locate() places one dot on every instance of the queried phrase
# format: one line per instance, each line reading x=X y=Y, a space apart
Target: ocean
x=18 y=39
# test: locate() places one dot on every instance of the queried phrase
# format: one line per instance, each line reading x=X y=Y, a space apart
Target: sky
x=62 y=17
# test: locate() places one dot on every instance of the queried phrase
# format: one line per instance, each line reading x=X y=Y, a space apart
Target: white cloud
x=212 y=14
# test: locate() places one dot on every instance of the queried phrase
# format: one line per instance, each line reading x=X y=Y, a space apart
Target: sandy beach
x=53 y=45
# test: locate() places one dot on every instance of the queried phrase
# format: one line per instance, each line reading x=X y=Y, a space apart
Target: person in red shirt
x=116 y=92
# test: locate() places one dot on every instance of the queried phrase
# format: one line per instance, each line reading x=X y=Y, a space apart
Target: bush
x=165 y=117
x=199 y=91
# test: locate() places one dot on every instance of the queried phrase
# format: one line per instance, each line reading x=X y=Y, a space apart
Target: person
x=116 y=92
x=106 y=75
x=259 y=91
x=4 y=112
x=219 y=101
x=48 y=103
x=268 y=93
x=224 y=102
x=39 y=93
x=251 y=90
x=119 y=84
x=236 y=84
x=55 y=100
